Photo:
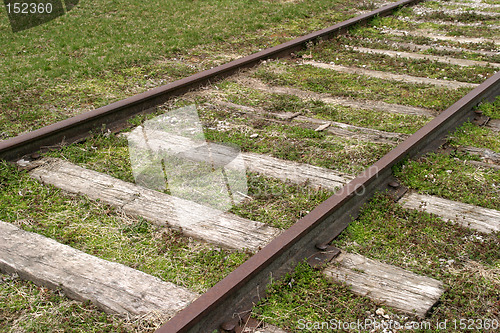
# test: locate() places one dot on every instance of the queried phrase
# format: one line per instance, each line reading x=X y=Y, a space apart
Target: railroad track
x=342 y=116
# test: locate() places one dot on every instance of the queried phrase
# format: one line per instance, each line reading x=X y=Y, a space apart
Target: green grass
x=281 y=103
x=356 y=86
x=466 y=262
x=102 y=231
x=334 y=52
x=103 y=51
x=491 y=109
x=400 y=21
x=307 y=295
x=451 y=178
x=50 y=311
x=475 y=136
x=73 y=64
x=109 y=234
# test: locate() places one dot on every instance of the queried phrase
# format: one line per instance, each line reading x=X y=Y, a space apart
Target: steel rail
x=236 y=294
x=114 y=116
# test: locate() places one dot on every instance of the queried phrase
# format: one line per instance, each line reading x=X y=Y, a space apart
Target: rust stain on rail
x=236 y=293
x=115 y=115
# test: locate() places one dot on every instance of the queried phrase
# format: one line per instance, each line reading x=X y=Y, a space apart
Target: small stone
x=322 y=127
x=253 y=136
x=380 y=312
x=22 y=162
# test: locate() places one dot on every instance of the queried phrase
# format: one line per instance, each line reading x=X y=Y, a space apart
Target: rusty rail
x=233 y=297
x=114 y=116
x=222 y=305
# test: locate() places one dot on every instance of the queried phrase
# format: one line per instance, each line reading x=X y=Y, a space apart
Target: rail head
x=115 y=116
x=244 y=286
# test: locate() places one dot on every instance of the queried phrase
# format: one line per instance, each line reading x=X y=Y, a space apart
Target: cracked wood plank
x=393 y=77
x=294 y=172
x=470 y=216
x=417 y=33
x=334 y=100
x=298 y=173
x=412 y=55
x=335 y=128
x=417 y=47
x=386 y=284
x=486 y=155
x=112 y=287
x=493 y=124
x=192 y=219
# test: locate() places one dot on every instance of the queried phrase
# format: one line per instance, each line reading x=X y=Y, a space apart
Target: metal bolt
x=478 y=111
x=321 y=246
x=394 y=184
x=228 y=326
x=35 y=156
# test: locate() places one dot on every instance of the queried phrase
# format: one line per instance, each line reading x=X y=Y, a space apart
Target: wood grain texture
x=457 y=39
x=419 y=56
x=294 y=172
x=386 y=284
x=475 y=217
x=335 y=128
x=486 y=155
x=417 y=47
x=195 y=220
x=393 y=77
x=335 y=100
x=112 y=287
x=494 y=125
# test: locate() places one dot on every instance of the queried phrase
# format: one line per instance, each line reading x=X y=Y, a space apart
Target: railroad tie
x=112 y=287
x=336 y=100
x=493 y=124
x=418 y=56
x=470 y=216
x=433 y=36
x=394 y=77
x=386 y=284
x=216 y=227
x=75 y=179
x=335 y=128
